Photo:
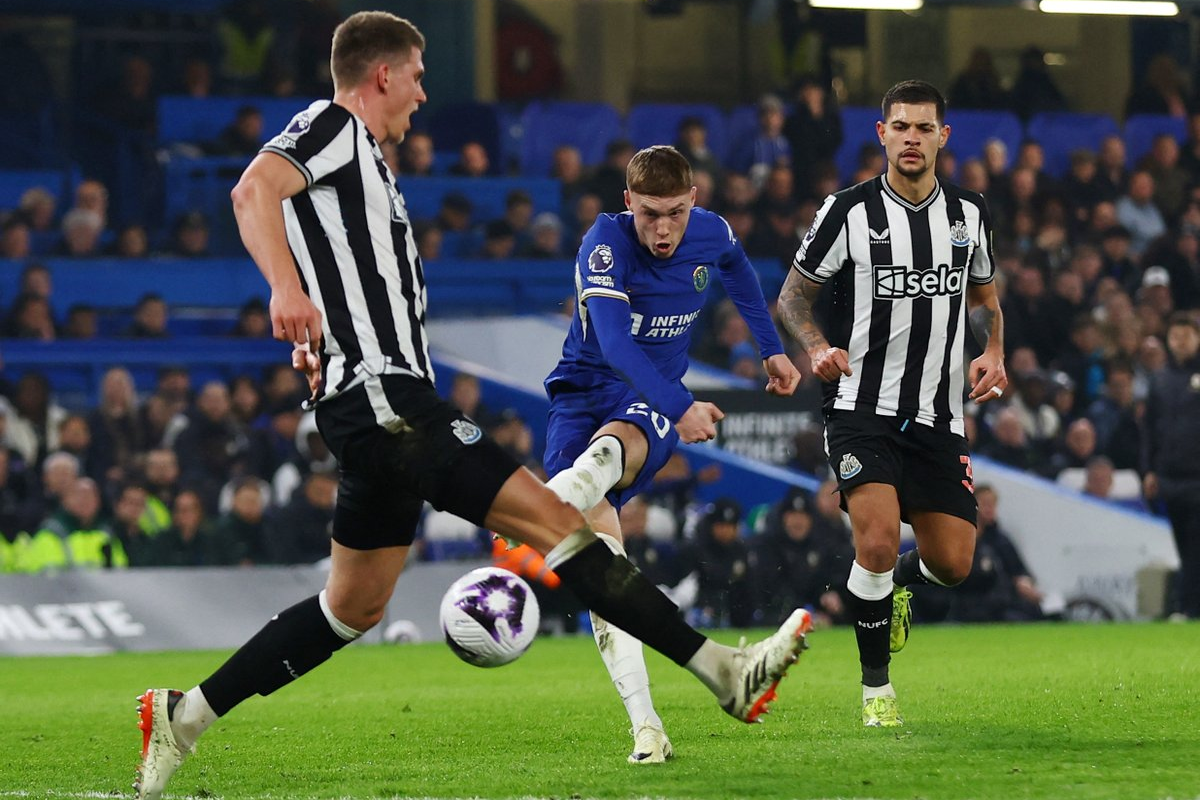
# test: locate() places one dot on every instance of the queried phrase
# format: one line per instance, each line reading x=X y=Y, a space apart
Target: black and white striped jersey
x=897 y=275
x=350 y=235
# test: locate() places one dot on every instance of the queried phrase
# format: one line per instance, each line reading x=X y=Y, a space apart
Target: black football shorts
x=930 y=469
x=397 y=445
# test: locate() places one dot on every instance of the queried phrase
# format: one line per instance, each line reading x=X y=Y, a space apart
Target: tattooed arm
x=795 y=311
x=987 y=323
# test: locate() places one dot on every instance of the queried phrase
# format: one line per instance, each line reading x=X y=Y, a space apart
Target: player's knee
x=953 y=573
x=875 y=553
x=359 y=611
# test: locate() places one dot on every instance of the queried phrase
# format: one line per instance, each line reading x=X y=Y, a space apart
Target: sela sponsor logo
x=601 y=259
x=466 y=431
x=68 y=622
x=880 y=237
x=849 y=466
x=605 y=281
x=667 y=326
x=897 y=282
x=959 y=237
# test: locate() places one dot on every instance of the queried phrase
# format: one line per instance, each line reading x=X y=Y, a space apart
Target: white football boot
x=161 y=754
x=650 y=744
x=760 y=666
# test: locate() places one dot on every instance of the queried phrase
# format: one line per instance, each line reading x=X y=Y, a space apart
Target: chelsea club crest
x=700 y=278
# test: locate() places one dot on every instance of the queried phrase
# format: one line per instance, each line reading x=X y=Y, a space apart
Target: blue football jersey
x=665 y=296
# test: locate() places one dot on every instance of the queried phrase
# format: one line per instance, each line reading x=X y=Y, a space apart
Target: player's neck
x=353 y=101
x=912 y=189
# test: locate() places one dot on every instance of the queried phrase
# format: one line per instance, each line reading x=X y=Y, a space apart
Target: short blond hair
x=659 y=171
x=365 y=38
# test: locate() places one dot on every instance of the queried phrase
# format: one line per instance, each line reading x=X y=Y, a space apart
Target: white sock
x=871 y=692
x=929 y=576
x=713 y=665
x=597 y=470
x=193 y=715
x=623 y=656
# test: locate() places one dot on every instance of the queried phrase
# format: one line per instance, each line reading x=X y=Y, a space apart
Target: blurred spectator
x=15 y=239
x=37 y=206
x=798 y=564
x=813 y=131
x=518 y=213
x=466 y=395
x=1115 y=417
x=706 y=188
x=391 y=157
x=1118 y=262
x=429 y=240
x=1009 y=444
x=243 y=525
x=973 y=176
x=245 y=400
x=768 y=148
x=514 y=436
x=416 y=154
x=129 y=504
x=253 y=320
x=58 y=472
x=33 y=424
x=608 y=180
x=1189 y=158
x=75 y=437
x=455 y=213
x=299 y=532
x=1098 y=477
x=1112 y=176
x=190 y=541
x=1163 y=89
x=242 y=137
x=131 y=242
x=472 y=162
x=692 y=143
x=81 y=230
x=117 y=435
x=1034 y=91
x=73 y=536
x=499 y=240
x=587 y=207
x=197 y=78
x=1031 y=402
x=1030 y=314
x=161 y=468
x=1082 y=189
x=655 y=561
x=282 y=386
x=210 y=446
x=1156 y=290
x=1032 y=156
x=91 y=195
x=83 y=322
x=13 y=499
x=1170 y=469
x=999 y=587
x=191 y=236
x=30 y=318
x=1082 y=358
x=1170 y=181
x=720 y=558
x=567 y=166
x=978 y=85
x=1137 y=212
x=309 y=454
x=131 y=102
x=546 y=237
x=246 y=35
x=149 y=318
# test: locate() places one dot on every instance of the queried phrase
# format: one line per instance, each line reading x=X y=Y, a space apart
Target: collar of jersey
x=887 y=188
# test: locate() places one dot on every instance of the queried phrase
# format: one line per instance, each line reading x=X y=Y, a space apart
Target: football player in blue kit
x=618 y=405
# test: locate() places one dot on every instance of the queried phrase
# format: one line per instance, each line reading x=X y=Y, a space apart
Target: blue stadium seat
x=1061 y=133
x=858 y=129
x=658 y=123
x=1142 y=129
x=201 y=119
x=546 y=125
x=423 y=196
x=741 y=124
x=970 y=130
x=452 y=126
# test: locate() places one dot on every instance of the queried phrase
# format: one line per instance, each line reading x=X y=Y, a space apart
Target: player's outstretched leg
x=625 y=660
x=755 y=670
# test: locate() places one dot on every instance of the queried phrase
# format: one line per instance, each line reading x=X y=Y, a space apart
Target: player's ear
x=692 y=197
x=629 y=200
x=383 y=74
x=880 y=127
x=944 y=137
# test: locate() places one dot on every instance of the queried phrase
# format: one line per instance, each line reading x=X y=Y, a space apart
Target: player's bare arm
x=782 y=375
x=986 y=374
x=795 y=311
x=257 y=204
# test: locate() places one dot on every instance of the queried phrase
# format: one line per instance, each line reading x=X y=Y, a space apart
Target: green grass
x=1039 y=711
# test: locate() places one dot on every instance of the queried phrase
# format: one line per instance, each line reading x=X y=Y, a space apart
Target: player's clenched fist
x=830 y=363
x=699 y=423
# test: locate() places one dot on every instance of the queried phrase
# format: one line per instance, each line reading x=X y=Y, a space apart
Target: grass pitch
x=1036 y=711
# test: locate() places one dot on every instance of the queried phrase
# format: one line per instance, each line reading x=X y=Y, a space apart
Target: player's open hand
x=699 y=423
x=294 y=318
x=783 y=375
x=306 y=361
x=830 y=363
x=988 y=378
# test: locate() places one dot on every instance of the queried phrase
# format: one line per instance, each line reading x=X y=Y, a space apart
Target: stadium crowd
x=1094 y=266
